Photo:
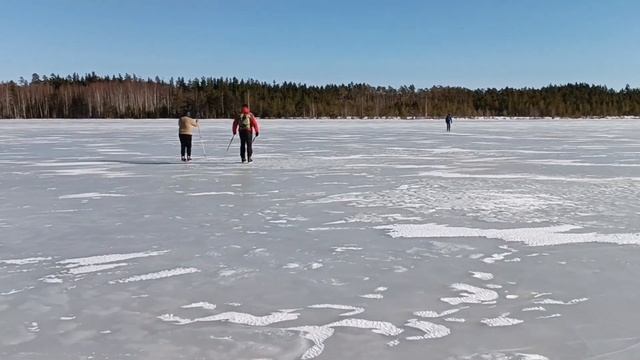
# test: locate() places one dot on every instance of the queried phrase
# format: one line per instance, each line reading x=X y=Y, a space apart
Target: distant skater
x=448 y=120
x=246 y=124
x=186 y=124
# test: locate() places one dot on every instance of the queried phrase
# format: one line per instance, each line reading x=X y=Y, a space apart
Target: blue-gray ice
x=344 y=239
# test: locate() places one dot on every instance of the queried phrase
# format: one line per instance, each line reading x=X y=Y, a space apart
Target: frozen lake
x=343 y=240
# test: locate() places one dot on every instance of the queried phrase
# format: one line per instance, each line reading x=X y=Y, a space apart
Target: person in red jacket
x=246 y=124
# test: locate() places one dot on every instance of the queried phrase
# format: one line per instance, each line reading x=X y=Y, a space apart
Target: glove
x=257 y=134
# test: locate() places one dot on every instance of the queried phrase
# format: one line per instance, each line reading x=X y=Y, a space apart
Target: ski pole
x=230 y=141
x=204 y=151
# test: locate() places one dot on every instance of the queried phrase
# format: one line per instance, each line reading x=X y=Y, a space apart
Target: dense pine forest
x=128 y=96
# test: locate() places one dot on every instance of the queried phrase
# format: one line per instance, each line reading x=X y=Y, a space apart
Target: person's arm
x=255 y=125
x=234 y=127
x=194 y=123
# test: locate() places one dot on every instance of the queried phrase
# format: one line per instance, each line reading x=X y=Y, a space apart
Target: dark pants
x=245 y=144
x=185 y=144
x=448 y=126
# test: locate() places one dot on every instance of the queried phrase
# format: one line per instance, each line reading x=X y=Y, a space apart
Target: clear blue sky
x=473 y=43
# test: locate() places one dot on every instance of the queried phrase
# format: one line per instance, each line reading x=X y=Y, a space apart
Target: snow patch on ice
x=431 y=330
x=94 y=268
x=534 y=308
x=62 y=164
x=157 y=275
x=378 y=327
x=104 y=172
x=542 y=236
x=26 y=261
x=102 y=259
x=549 y=316
x=51 y=279
x=90 y=195
x=374 y=218
x=399 y=269
x=559 y=302
x=482 y=275
x=434 y=314
x=503 y=356
x=174 y=319
x=455 y=175
x=16 y=291
x=502 y=320
x=316 y=334
x=470 y=295
x=454 y=319
x=496 y=257
x=340 y=249
x=372 y=296
x=236 y=318
x=227 y=272
x=393 y=343
x=212 y=193
x=33 y=327
x=203 y=305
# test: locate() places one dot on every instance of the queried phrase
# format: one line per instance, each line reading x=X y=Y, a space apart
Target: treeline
x=128 y=96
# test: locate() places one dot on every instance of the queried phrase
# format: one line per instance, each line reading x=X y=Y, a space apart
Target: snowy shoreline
x=484 y=118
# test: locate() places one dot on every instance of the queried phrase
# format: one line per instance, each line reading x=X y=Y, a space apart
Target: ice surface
x=94 y=268
x=353 y=309
x=435 y=314
x=342 y=240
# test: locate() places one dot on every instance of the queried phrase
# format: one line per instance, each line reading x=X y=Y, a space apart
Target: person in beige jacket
x=185 y=133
